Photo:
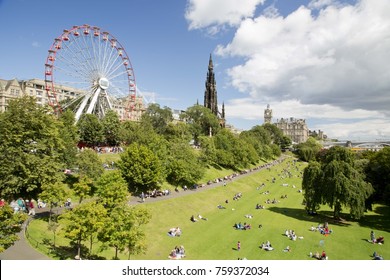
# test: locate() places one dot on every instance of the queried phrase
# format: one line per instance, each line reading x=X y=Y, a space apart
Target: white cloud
x=216 y=14
x=35 y=44
x=326 y=60
x=336 y=57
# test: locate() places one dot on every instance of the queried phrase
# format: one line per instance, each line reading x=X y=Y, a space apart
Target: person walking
x=238 y=246
x=31 y=207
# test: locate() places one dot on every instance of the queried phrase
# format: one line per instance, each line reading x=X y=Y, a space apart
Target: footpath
x=22 y=250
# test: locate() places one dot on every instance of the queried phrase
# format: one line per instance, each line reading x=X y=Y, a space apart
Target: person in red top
x=31 y=207
x=2 y=202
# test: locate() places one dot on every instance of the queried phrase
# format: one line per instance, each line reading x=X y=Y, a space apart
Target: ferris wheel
x=88 y=71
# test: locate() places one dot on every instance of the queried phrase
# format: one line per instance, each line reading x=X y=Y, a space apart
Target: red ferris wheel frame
x=86 y=32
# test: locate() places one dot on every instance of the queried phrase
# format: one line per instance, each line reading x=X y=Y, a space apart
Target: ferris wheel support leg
x=93 y=101
x=82 y=106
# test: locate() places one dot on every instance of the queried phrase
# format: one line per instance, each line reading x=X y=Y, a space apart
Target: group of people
x=323 y=229
x=244 y=226
x=380 y=240
x=292 y=235
x=177 y=253
x=22 y=206
x=266 y=246
x=176 y=231
x=319 y=256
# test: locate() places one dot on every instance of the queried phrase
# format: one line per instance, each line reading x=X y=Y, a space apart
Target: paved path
x=22 y=250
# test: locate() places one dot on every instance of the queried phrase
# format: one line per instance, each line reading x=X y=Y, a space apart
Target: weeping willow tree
x=334 y=181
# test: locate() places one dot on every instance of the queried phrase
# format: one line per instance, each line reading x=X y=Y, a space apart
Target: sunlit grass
x=216 y=238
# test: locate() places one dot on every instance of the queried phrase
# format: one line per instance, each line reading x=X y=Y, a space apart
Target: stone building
x=130 y=108
x=296 y=129
x=211 y=96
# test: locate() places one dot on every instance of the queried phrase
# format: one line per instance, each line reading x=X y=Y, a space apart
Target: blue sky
x=325 y=61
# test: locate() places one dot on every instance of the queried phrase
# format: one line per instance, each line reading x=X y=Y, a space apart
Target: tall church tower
x=210 y=94
x=267 y=115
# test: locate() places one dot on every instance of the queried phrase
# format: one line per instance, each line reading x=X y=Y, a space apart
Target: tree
x=337 y=182
x=90 y=130
x=30 y=149
x=184 y=167
x=112 y=189
x=201 y=121
x=141 y=168
x=83 y=187
x=54 y=194
x=158 y=117
x=178 y=132
x=309 y=150
x=111 y=128
x=89 y=164
x=70 y=137
x=83 y=222
x=123 y=229
x=11 y=224
x=378 y=173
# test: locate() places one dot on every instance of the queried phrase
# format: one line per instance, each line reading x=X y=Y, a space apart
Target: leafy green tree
x=311 y=185
x=11 y=224
x=83 y=187
x=89 y=164
x=83 y=223
x=309 y=150
x=112 y=189
x=342 y=185
x=201 y=121
x=141 y=168
x=378 y=173
x=208 y=150
x=184 y=167
x=111 y=128
x=90 y=130
x=178 y=132
x=275 y=133
x=30 y=149
x=123 y=230
x=54 y=194
x=70 y=137
x=158 y=117
x=136 y=241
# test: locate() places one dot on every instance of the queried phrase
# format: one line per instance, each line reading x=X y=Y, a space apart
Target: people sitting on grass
x=219 y=206
x=266 y=246
x=319 y=256
x=249 y=216
x=237 y=196
x=244 y=226
x=287 y=249
x=202 y=218
x=177 y=253
x=174 y=232
x=376 y=256
x=193 y=219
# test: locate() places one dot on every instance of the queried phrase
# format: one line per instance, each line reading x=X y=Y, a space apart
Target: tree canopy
x=336 y=182
x=30 y=149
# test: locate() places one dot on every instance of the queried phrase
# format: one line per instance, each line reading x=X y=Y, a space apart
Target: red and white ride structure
x=96 y=64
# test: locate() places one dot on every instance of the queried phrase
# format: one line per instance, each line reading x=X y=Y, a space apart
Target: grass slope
x=216 y=239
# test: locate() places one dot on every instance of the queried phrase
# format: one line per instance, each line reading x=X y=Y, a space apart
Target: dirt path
x=181 y=192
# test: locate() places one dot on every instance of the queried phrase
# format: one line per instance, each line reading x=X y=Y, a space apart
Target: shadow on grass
x=380 y=221
x=302 y=215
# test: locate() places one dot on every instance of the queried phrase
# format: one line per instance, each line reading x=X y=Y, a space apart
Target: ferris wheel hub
x=104 y=83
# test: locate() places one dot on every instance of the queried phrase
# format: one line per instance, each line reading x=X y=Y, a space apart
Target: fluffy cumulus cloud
x=215 y=14
x=327 y=53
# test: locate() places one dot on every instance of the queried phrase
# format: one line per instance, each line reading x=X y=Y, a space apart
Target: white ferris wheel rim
x=93 y=62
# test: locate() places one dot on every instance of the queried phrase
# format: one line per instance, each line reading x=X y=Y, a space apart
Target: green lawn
x=216 y=239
